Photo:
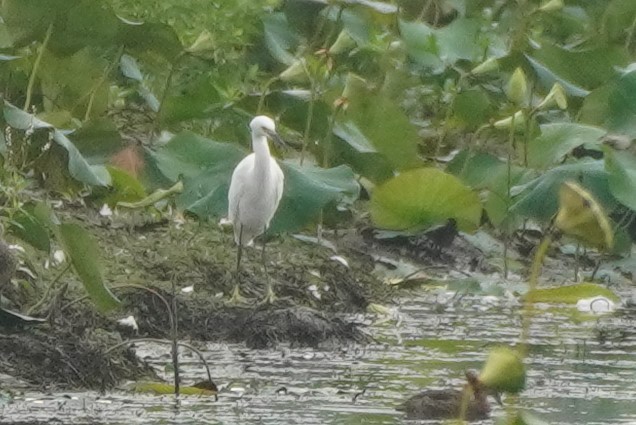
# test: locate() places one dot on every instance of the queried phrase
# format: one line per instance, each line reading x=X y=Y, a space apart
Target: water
x=573 y=376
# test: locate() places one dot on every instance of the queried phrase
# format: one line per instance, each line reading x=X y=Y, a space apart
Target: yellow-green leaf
x=420 y=198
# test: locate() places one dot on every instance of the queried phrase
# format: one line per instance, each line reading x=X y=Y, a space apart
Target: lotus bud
x=203 y=43
x=296 y=72
x=552 y=6
x=556 y=96
x=517 y=89
x=489 y=65
x=343 y=43
x=504 y=371
x=519 y=119
x=353 y=84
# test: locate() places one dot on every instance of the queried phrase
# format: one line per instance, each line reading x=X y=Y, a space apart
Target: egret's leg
x=270 y=297
x=236 y=293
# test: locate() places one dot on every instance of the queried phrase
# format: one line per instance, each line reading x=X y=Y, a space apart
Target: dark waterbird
x=447 y=404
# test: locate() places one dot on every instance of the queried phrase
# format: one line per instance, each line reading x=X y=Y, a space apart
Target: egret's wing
x=279 y=179
x=237 y=186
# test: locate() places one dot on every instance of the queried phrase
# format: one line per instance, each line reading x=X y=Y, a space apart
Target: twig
x=161 y=341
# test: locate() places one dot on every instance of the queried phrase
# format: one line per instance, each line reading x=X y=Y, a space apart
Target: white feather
x=256 y=187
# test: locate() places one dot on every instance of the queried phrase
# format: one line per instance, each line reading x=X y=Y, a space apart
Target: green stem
x=164 y=95
x=47 y=291
x=102 y=79
x=630 y=35
x=310 y=114
x=264 y=91
x=511 y=142
x=528 y=305
x=36 y=67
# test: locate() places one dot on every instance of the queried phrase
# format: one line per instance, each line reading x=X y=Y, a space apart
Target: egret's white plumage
x=255 y=189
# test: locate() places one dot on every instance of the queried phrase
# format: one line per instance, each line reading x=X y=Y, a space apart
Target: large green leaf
x=83 y=253
x=424 y=197
x=435 y=47
x=150 y=37
x=308 y=190
x=558 y=139
x=570 y=294
x=481 y=170
x=577 y=70
x=28 y=20
x=76 y=23
x=78 y=167
x=206 y=168
x=538 y=198
x=26 y=226
x=98 y=140
x=622 y=176
x=621 y=103
x=280 y=40
x=374 y=122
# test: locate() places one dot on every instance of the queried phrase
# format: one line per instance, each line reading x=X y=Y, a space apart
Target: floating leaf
x=580 y=216
x=569 y=294
x=161 y=388
x=622 y=176
x=83 y=252
x=424 y=197
x=504 y=371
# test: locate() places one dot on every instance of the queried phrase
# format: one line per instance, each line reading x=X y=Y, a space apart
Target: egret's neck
x=261 y=151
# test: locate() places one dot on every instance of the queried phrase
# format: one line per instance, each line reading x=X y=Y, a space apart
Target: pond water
x=580 y=372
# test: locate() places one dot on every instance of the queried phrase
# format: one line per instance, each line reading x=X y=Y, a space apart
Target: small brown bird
x=442 y=236
x=447 y=404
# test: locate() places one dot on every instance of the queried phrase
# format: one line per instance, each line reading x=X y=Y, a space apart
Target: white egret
x=255 y=192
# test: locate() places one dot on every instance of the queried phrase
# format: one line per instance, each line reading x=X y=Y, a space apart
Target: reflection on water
x=575 y=377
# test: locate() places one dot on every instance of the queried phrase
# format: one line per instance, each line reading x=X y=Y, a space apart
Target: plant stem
x=161 y=341
x=36 y=66
x=310 y=114
x=164 y=95
x=93 y=92
x=264 y=90
x=48 y=289
x=175 y=338
x=511 y=141
x=528 y=305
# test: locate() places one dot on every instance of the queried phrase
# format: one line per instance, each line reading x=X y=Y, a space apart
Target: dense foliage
x=434 y=102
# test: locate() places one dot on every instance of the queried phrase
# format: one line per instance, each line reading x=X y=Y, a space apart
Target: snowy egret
x=255 y=192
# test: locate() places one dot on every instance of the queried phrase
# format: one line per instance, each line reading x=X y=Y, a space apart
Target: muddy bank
x=317 y=292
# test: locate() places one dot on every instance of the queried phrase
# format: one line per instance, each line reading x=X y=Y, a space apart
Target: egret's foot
x=270 y=296
x=236 y=297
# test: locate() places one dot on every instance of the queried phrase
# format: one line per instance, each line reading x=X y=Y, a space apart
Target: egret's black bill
x=275 y=138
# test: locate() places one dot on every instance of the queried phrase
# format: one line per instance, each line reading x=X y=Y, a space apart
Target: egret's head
x=263 y=126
